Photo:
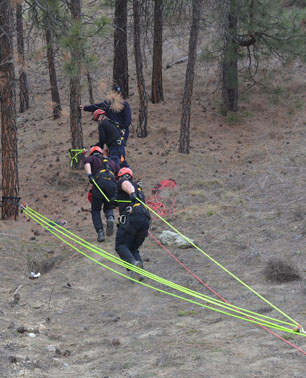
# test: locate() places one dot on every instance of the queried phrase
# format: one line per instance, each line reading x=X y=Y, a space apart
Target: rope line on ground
x=219 y=296
x=53 y=228
x=214 y=261
x=220 y=266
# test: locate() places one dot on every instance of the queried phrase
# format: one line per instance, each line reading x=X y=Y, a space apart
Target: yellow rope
x=220 y=266
x=53 y=228
x=213 y=260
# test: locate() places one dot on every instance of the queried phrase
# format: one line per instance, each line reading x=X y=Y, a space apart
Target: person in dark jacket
x=103 y=171
x=117 y=110
x=109 y=135
x=134 y=220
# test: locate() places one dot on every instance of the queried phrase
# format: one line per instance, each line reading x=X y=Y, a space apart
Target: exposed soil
x=240 y=196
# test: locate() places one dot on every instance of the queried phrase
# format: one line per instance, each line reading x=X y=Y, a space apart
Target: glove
x=112 y=202
x=91 y=178
x=133 y=197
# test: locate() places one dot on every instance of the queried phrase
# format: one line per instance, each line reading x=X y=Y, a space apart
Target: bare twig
x=51 y=296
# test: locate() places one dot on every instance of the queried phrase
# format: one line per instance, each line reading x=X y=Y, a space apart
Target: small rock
x=116 y=342
x=21 y=329
x=11 y=325
x=12 y=359
x=170 y=238
x=51 y=348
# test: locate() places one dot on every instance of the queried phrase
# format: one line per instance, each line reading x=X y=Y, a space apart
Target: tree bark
x=10 y=180
x=90 y=88
x=120 y=65
x=56 y=103
x=157 y=93
x=141 y=130
x=75 y=88
x=230 y=61
x=23 y=80
x=184 y=139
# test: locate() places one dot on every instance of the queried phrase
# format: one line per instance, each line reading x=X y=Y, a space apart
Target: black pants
x=130 y=237
x=98 y=200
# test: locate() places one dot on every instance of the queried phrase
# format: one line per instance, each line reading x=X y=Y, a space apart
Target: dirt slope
x=240 y=196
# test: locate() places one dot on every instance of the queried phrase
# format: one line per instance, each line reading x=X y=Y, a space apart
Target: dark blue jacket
x=123 y=118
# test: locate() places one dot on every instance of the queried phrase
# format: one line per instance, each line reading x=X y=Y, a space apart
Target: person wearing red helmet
x=117 y=110
x=109 y=135
x=134 y=220
x=101 y=172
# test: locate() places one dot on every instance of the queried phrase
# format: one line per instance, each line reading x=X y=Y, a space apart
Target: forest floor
x=240 y=197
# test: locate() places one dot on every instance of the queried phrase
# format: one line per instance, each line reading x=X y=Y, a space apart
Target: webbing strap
x=236 y=311
x=221 y=266
x=74 y=157
x=217 y=263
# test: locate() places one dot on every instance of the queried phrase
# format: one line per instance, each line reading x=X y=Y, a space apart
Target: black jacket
x=123 y=118
x=109 y=134
x=122 y=195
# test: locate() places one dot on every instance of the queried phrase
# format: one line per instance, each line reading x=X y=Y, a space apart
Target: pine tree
x=186 y=106
x=10 y=180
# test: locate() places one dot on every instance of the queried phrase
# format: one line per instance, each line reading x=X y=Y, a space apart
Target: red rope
x=218 y=295
x=159 y=207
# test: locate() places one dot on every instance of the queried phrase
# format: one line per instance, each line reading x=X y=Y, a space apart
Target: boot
x=137 y=276
x=101 y=236
x=110 y=226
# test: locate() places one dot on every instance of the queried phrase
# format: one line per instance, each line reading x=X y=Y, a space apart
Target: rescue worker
x=134 y=220
x=117 y=110
x=109 y=135
x=102 y=170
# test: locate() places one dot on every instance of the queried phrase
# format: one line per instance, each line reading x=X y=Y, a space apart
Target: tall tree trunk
x=230 y=60
x=56 y=103
x=10 y=180
x=120 y=66
x=157 y=75
x=75 y=87
x=141 y=129
x=89 y=78
x=23 y=80
x=184 y=139
x=90 y=88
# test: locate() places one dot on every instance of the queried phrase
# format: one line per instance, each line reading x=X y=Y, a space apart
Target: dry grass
x=279 y=271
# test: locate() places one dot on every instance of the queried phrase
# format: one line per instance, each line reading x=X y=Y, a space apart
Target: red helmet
x=97 y=113
x=125 y=171
x=95 y=148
